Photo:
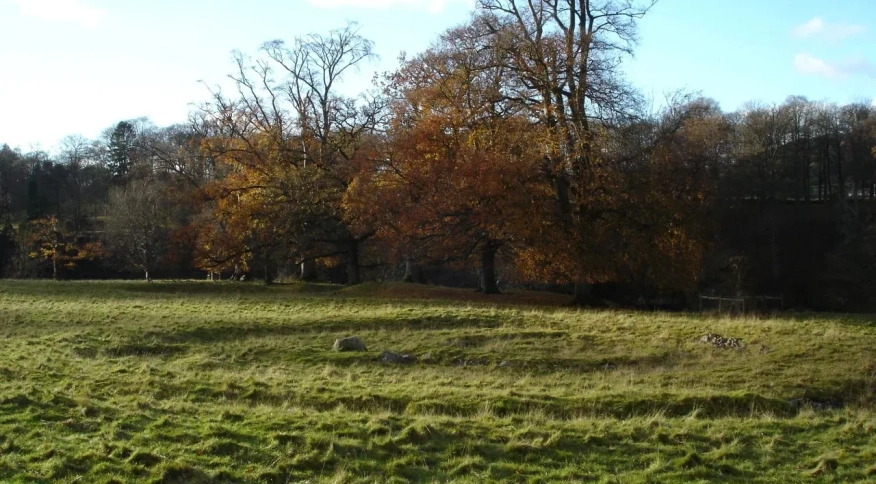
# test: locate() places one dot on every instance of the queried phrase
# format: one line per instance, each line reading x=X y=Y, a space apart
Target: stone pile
x=721 y=342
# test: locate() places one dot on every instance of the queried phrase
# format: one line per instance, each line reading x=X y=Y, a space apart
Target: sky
x=79 y=66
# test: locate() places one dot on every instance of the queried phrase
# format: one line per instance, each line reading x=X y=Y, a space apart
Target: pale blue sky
x=79 y=66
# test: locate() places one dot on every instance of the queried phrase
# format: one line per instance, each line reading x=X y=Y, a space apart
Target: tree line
x=512 y=148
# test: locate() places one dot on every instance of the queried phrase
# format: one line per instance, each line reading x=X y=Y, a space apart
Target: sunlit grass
x=202 y=382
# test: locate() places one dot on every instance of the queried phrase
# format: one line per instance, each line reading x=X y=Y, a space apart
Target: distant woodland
x=511 y=153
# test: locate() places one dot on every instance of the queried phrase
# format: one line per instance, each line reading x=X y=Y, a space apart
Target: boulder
x=349 y=344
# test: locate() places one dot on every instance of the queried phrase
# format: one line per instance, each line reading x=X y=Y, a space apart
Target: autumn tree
x=50 y=242
x=565 y=58
x=292 y=144
x=669 y=181
x=456 y=181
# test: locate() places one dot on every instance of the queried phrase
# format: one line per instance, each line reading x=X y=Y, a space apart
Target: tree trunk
x=840 y=176
x=774 y=246
x=353 y=264
x=268 y=278
x=807 y=190
x=584 y=296
x=413 y=273
x=308 y=271
x=56 y=245
x=488 y=272
x=148 y=279
x=561 y=189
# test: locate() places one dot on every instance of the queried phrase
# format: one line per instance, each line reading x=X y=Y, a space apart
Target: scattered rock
x=721 y=342
x=474 y=362
x=427 y=358
x=349 y=344
x=504 y=364
x=396 y=359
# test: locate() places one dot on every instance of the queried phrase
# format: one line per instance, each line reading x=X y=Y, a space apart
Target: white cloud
x=67 y=11
x=807 y=64
x=817 y=27
x=852 y=66
x=433 y=6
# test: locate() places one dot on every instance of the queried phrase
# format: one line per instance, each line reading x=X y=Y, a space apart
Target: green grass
x=202 y=382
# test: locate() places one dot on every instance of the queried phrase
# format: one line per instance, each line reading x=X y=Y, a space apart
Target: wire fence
x=742 y=304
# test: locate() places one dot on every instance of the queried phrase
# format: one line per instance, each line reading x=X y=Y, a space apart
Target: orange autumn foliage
x=459 y=177
x=62 y=248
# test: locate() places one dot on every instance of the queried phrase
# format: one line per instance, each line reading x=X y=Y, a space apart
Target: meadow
x=231 y=382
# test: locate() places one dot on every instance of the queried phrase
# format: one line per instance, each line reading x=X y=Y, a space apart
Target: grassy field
x=201 y=382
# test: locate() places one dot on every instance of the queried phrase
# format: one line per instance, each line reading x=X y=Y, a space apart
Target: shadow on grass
x=234 y=332
x=622 y=406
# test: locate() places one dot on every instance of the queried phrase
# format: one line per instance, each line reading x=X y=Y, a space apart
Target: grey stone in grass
x=396 y=359
x=473 y=362
x=351 y=343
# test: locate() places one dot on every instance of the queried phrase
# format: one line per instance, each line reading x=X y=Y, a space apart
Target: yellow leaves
x=49 y=242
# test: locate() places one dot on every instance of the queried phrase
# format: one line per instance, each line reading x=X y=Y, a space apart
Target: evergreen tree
x=121 y=148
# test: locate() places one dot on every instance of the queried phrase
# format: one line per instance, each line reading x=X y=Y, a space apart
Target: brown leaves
x=459 y=169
